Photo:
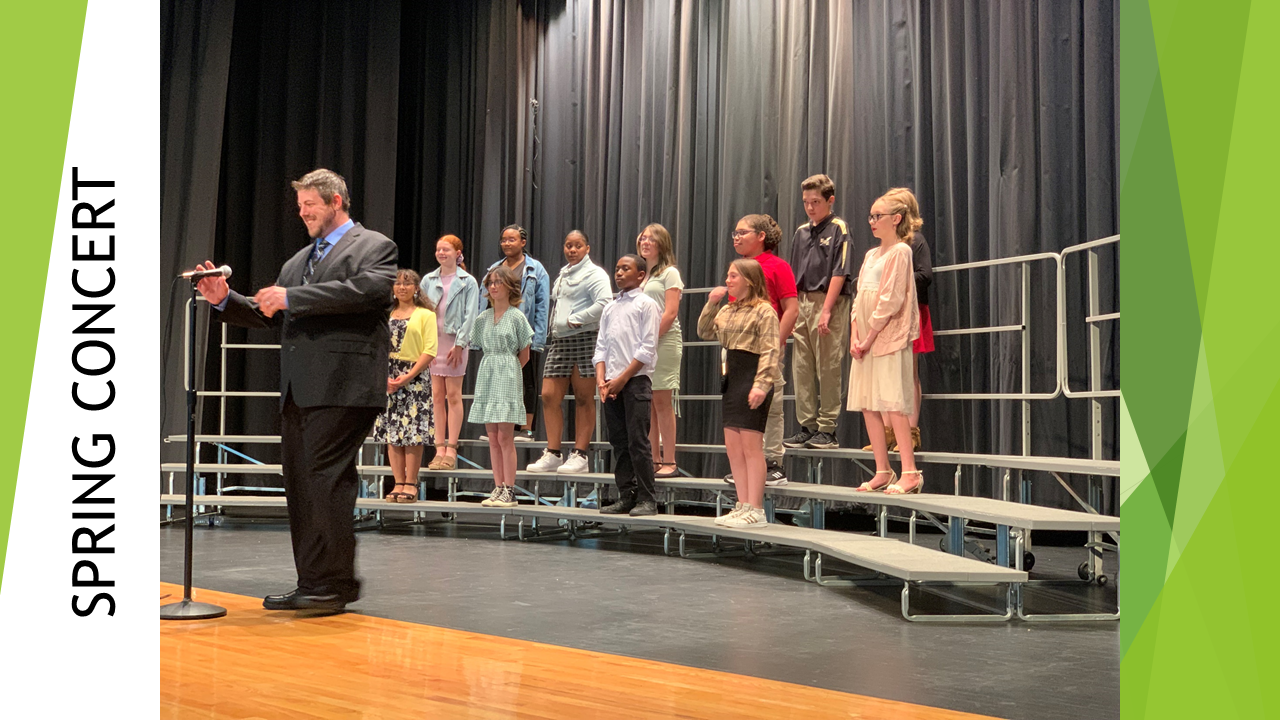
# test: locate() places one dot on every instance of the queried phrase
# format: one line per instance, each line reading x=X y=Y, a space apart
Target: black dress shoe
x=621 y=507
x=644 y=507
x=282 y=602
x=299 y=600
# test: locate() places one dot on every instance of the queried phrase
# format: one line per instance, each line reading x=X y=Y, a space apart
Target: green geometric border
x=40 y=55
x=1199 y=158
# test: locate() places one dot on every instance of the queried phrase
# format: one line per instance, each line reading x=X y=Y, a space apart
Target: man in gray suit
x=331 y=303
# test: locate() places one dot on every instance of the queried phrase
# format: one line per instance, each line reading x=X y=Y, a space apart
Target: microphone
x=224 y=271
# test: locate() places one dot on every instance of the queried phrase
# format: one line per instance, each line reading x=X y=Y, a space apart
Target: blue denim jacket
x=464 y=302
x=535 y=291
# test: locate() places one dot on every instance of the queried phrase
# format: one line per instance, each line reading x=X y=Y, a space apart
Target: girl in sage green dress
x=503 y=334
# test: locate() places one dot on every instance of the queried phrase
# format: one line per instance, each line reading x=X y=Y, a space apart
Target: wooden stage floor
x=256 y=663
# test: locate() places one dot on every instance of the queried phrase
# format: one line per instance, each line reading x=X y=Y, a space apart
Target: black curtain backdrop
x=460 y=117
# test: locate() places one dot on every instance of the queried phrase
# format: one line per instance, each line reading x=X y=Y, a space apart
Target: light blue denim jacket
x=535 y=293
x=464 y=302
x=578 y=297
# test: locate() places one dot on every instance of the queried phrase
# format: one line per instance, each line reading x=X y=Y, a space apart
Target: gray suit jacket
x=334 y=340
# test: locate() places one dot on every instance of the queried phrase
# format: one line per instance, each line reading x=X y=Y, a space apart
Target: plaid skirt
x=565 y=353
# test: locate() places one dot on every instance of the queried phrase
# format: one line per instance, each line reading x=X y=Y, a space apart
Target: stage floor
x=754 y=631
x=256 y=663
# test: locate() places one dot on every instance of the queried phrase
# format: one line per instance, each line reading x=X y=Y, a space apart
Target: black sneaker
x=822 y=441
x=644 y=507
x=774 y=475
x=800 y=439
x=621 y=507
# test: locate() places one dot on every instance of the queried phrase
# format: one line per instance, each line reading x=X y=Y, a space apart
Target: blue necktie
x=312 y=259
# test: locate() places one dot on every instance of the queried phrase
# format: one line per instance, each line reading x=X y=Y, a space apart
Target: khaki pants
x=817 y=362
x=773 y=447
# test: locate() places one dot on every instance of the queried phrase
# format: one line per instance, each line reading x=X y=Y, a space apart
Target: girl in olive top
x=663 y=284
x=406 y=425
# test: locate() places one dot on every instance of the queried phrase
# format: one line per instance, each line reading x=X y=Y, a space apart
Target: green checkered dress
x=499 y=394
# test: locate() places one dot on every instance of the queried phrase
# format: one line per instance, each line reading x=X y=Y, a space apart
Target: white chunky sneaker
x=576 y=464
x=549 y=462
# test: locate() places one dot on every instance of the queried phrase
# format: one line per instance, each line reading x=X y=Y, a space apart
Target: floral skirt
x=408 y=418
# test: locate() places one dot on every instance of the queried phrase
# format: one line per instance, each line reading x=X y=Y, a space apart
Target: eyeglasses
x=735 y=234
x=493 y=283
x=875 y=217
x=406 y=284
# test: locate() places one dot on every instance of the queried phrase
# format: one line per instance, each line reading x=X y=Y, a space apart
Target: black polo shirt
x=820 y=252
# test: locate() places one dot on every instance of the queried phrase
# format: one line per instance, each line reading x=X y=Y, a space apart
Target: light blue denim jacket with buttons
x=464 y=302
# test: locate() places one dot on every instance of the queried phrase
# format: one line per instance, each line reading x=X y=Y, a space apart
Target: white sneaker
x=547 y=463
x=484 y=438
x=755 y=517
x=749 y=517
x=576 y=464
x=721 y=520
x=524 y=437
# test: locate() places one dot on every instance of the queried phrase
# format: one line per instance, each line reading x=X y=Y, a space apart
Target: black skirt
x=740 y=377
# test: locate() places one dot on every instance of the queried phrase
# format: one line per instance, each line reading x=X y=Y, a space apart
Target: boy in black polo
x=820 y=258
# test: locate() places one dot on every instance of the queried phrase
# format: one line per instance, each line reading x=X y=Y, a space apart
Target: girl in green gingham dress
x=499 y=392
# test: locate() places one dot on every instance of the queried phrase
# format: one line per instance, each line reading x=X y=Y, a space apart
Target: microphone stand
x=189 y=609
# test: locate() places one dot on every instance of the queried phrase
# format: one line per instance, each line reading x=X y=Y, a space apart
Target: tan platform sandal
x=896 y=489
x=868 y=487
x=447 y=462
x=436 y=461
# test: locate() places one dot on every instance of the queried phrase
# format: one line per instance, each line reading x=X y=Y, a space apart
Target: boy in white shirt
x=626 y=349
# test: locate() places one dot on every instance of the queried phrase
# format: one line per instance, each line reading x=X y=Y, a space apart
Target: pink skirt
x=440 y=366
x=924 y=343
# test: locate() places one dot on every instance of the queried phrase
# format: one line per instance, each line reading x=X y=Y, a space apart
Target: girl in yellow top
x=406 y=425
x=885 y=320
x=747 y=329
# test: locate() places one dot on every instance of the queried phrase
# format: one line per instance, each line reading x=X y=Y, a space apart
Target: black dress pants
x=627 y=417
x=319 y=446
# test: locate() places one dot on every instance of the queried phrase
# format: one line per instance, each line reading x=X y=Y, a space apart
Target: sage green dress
x=666 y=371
x=499 y=393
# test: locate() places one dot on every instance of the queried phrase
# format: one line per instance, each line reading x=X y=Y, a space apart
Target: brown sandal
x=395 y=494
x=408 y=497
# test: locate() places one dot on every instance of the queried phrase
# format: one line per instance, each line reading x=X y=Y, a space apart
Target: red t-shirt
x=778 y=279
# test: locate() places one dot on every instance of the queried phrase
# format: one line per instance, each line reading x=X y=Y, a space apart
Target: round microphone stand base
x=191 y=610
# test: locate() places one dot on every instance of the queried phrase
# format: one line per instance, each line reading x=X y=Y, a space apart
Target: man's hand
x=214 y=289
x=602 y=386
x=271 y=300
x=824 y=322
x=615 y=386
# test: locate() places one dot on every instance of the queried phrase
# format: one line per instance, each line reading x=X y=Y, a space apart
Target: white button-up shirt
x=628 y=331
